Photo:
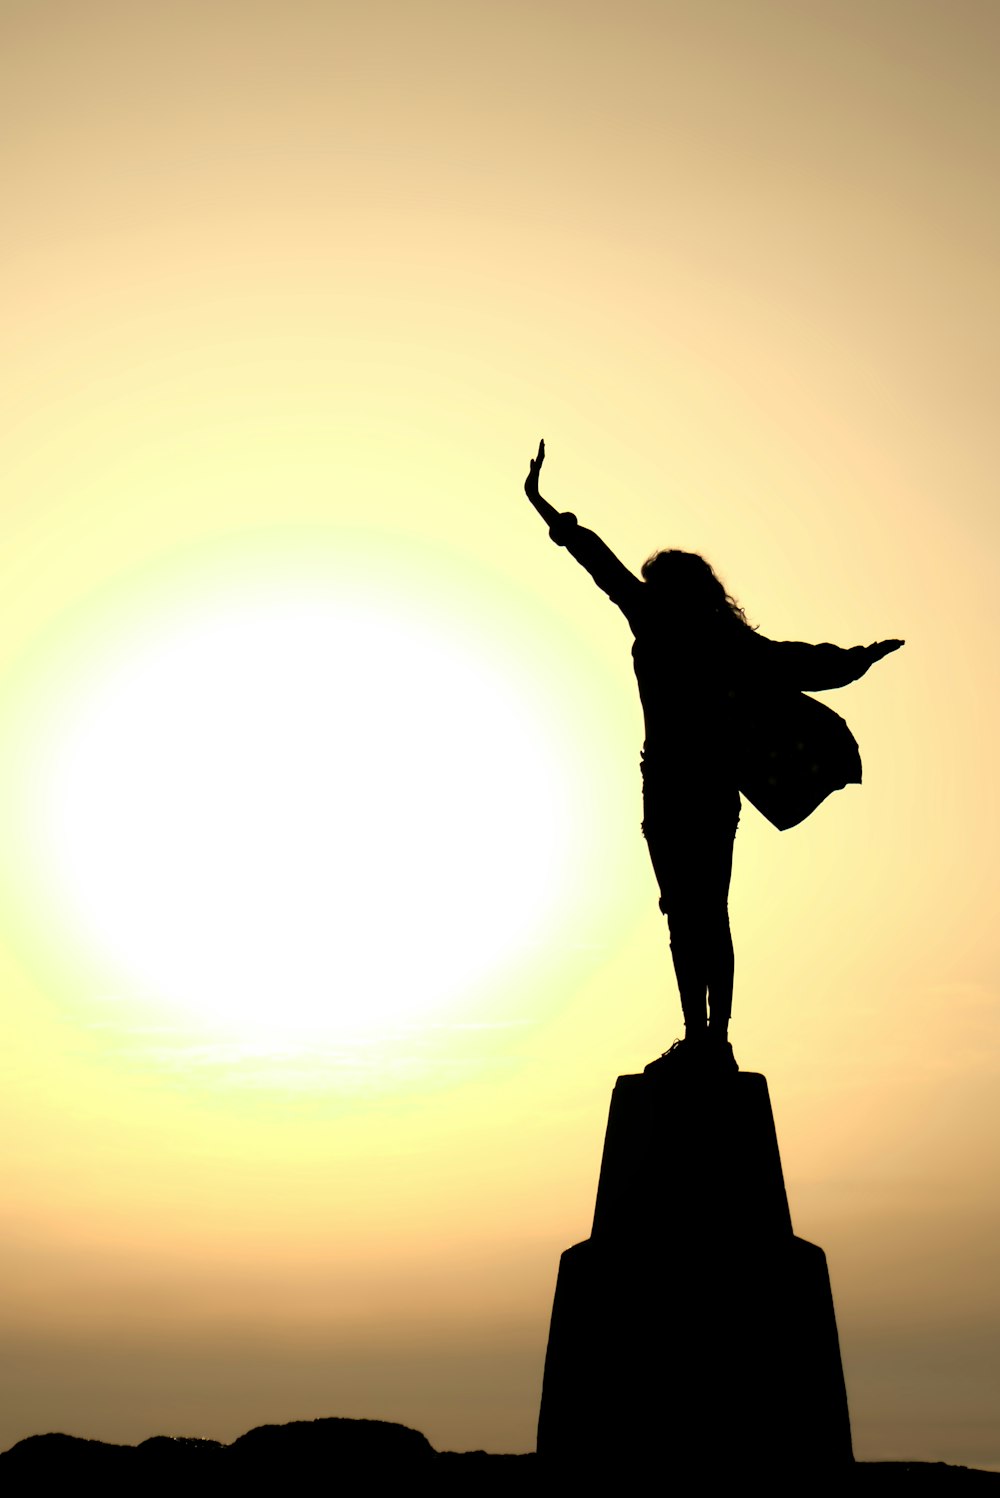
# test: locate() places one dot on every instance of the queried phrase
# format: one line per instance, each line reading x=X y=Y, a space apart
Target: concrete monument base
x=693 y=1330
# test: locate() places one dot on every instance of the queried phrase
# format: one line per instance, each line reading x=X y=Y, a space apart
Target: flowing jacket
x=725 y=707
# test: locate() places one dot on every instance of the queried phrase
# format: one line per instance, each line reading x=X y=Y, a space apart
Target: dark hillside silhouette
x=325 y=1456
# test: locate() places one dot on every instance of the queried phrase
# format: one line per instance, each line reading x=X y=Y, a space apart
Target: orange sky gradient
x=303 y=1101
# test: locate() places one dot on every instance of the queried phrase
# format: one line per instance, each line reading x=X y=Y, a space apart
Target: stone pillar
x=693 y=1331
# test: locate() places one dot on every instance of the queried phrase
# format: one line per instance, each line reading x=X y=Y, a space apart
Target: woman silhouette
x=723 y=713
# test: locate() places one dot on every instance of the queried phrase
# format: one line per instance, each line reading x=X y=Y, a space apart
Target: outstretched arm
x=816 y=668
x=611 y=575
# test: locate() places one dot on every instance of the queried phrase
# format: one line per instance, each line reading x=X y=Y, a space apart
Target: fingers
x=534 y=467
x=882 y=648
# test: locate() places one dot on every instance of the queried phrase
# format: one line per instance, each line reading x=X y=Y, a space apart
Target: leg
x=692 y=859
x=720 y=983
x=687 y=953
x=721 y=961
x=674 y=864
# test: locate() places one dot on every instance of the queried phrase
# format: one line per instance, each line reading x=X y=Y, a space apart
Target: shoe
x=719 y=1056
x=677 y=1057
x=717 y=1053
x=705 y=1056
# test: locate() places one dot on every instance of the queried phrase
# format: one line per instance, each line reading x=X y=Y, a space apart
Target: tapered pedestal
x=693 y=1330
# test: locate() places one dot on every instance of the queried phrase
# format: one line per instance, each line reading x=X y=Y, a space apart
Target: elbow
x=560 y=528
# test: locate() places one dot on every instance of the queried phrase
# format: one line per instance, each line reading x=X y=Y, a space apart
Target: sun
x=300 y=812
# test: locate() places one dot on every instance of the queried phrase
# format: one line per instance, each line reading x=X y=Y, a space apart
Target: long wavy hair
x=688 y=585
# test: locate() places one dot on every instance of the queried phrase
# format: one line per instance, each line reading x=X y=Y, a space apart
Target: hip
x=686 y=795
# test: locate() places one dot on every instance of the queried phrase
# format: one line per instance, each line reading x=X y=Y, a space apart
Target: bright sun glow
x=293 y=816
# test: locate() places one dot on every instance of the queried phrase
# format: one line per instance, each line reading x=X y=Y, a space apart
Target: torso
x=687 y=685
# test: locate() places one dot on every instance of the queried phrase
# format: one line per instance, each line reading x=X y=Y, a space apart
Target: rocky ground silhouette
x=374 y=1455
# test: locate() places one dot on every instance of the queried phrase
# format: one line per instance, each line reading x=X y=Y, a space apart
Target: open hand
x=882 y=648
x=534 y=469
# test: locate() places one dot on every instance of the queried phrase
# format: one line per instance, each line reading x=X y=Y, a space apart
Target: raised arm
x=611 y=575
x=548 y=512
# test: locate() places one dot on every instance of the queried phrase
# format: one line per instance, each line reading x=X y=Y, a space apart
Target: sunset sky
x=326 y=924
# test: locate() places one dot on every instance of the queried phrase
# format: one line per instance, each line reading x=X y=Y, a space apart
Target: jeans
x=689 y=823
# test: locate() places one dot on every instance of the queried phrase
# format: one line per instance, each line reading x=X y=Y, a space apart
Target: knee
x=683 y=921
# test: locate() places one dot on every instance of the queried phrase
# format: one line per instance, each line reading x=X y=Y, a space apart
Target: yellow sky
x=291 y=293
